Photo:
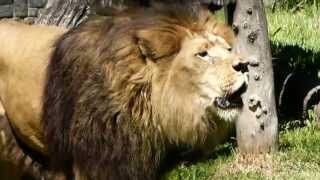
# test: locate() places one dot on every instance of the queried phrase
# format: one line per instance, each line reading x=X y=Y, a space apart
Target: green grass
x=298 y=158
x=301 y=28
x=296 y=4
x=295 y=37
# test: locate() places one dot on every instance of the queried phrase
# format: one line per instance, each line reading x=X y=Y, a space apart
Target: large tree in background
x=257 y=127
x=67 y=13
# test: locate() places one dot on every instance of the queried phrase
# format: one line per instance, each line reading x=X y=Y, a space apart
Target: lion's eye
x=203 y=55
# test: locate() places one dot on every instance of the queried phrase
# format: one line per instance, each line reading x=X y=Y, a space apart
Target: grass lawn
x=299 y=152
x=298 y=158
x=301 y=28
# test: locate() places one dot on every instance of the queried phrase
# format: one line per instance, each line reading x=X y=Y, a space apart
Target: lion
x=24 y=54
x=113 y=97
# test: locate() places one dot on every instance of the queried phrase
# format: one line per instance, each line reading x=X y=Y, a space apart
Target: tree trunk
x=257 y=127
x=70 y=13
x=67 y=13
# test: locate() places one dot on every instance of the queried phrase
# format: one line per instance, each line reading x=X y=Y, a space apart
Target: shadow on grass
x=190 y=158
x=300 y=67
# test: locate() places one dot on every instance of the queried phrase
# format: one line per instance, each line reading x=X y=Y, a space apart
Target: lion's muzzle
x=233 y=97
x=233 y=100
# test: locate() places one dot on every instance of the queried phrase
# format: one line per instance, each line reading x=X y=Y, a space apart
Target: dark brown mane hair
x=97 y=93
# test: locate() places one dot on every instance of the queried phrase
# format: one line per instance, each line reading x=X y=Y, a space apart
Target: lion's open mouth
x=232 y=101
x=228 y=103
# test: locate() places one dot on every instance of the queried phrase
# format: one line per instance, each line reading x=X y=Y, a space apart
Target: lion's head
x=196 y=79
x=121 y=90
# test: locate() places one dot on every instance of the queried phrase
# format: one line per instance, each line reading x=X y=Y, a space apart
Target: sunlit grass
x=298 y=158
x=301 y=28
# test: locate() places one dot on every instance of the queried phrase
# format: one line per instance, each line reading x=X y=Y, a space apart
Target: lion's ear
x=155 y=44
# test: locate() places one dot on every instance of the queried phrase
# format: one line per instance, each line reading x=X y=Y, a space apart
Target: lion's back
x=24 y=53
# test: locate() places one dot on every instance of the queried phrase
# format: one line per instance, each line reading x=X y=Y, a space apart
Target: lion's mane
x=97 y=110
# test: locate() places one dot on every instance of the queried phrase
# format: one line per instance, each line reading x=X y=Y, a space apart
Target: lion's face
x=206 y=67
x=198 y=88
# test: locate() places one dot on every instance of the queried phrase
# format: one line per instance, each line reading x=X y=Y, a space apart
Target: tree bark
x=257 y=127
x=67 y=13
x=70 y=13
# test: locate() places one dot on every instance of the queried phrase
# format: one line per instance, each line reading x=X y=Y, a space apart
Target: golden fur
x=24 y=54
x=121 y=92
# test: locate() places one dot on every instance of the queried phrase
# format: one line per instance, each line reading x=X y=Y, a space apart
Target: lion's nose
x=240 y=65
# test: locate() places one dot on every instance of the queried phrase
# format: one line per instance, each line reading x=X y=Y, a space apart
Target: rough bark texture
x=257 y=127
x=63 y=13
x=69 y=13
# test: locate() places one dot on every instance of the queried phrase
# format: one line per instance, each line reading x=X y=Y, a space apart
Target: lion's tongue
x=222 y=102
